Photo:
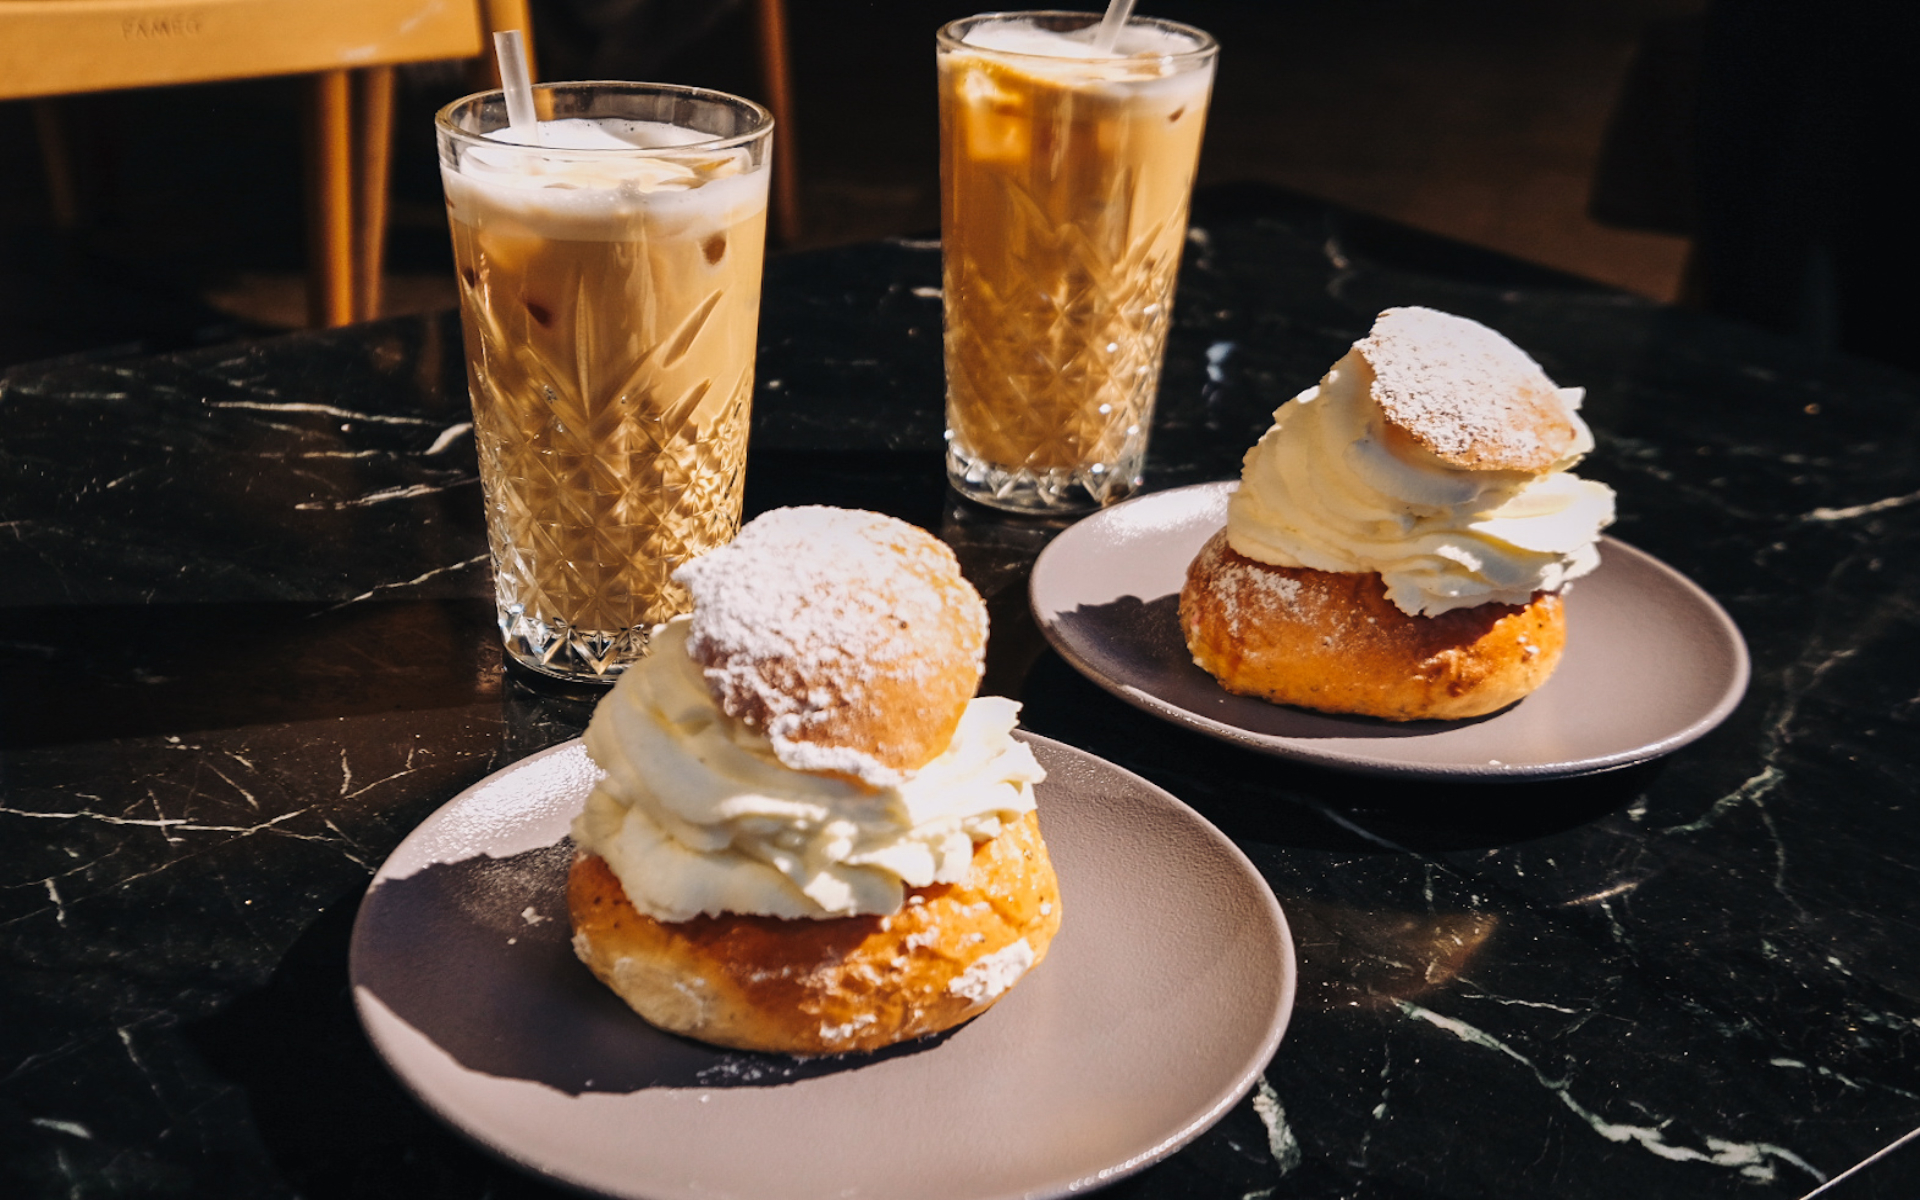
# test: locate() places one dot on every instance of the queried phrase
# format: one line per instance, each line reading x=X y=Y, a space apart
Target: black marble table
x=248 y=645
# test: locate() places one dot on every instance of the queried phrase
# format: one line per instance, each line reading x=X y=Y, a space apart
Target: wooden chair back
x=60 y=47
x=57 y=47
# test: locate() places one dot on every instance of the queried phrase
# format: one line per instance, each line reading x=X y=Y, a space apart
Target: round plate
x=1651 y=661
x=1159 y=1004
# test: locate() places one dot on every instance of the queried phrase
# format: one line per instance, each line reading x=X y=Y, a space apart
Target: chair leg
x=56 y=155
x=776 y=69
x=374 y=150
x=330 y=249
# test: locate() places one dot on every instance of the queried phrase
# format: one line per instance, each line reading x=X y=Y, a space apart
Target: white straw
x=1110 y=26
x=511 y=49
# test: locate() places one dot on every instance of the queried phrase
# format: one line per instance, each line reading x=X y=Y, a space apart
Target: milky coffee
x=1065 y=176
x=609 y=297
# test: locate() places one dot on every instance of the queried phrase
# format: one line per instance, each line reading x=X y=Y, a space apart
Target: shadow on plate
x=1146 y=634
x=1257 y=797
x=497 y=935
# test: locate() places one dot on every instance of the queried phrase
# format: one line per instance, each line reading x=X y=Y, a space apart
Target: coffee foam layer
x=576 y=186
x=1142 y=55
x=583 y=133
x=1024 y=37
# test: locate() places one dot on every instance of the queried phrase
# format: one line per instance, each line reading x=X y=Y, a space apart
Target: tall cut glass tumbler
x=609 y=299
x=1065 y=177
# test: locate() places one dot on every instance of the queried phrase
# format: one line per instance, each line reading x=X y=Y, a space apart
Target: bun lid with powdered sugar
x=1467 y=395
x=849 y=638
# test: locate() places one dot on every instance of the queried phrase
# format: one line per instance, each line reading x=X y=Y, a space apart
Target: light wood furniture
x=349 y=47
x=60 y=47
x=777 y=74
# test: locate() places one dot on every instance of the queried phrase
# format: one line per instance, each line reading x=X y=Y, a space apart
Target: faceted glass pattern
x=1063 y=209
x=588 y=518
x=611 y=383
x=609 y=304
x=1051 y=373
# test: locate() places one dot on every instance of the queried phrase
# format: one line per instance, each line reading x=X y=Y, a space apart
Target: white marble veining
x=1753 y=1160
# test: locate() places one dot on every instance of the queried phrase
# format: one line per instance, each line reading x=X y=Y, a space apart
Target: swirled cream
x=696 y=814
x=1332 y=486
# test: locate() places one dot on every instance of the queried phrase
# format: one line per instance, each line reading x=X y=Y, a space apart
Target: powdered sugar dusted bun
x=1332 y=641
x=1465 y=394
x=829 y=986
x=1402 y=534
x=849 y=638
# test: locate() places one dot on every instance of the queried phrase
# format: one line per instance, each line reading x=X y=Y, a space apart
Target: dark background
x=1480 y=119
x=1742 y=156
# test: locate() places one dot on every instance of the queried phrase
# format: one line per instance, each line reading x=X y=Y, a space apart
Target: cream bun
x=811 y=837
x=1403 y=534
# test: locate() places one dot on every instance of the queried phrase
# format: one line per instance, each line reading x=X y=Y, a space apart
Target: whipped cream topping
x=1331 y=487
x=696 y=814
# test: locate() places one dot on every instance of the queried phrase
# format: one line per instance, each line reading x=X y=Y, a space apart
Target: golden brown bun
x=1334 y=642
x=822 y=987
x=842 y=630
x=1465 y=394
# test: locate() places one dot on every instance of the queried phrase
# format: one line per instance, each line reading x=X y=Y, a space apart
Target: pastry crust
x=1334 y=642
x=810 y=987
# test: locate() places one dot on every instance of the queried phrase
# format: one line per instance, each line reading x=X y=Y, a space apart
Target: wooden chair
x=349 y=47
x=777 y=75
x=57 y=47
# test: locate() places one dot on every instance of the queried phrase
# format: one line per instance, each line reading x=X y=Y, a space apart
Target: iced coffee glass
x=1065 y=175
x=609 y=296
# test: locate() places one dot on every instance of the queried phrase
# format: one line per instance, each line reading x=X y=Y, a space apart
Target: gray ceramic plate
x=1160 y=1002
x=1651 y=662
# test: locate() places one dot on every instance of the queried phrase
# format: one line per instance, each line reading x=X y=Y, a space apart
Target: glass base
x=1048 y=490
x=576 y=655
